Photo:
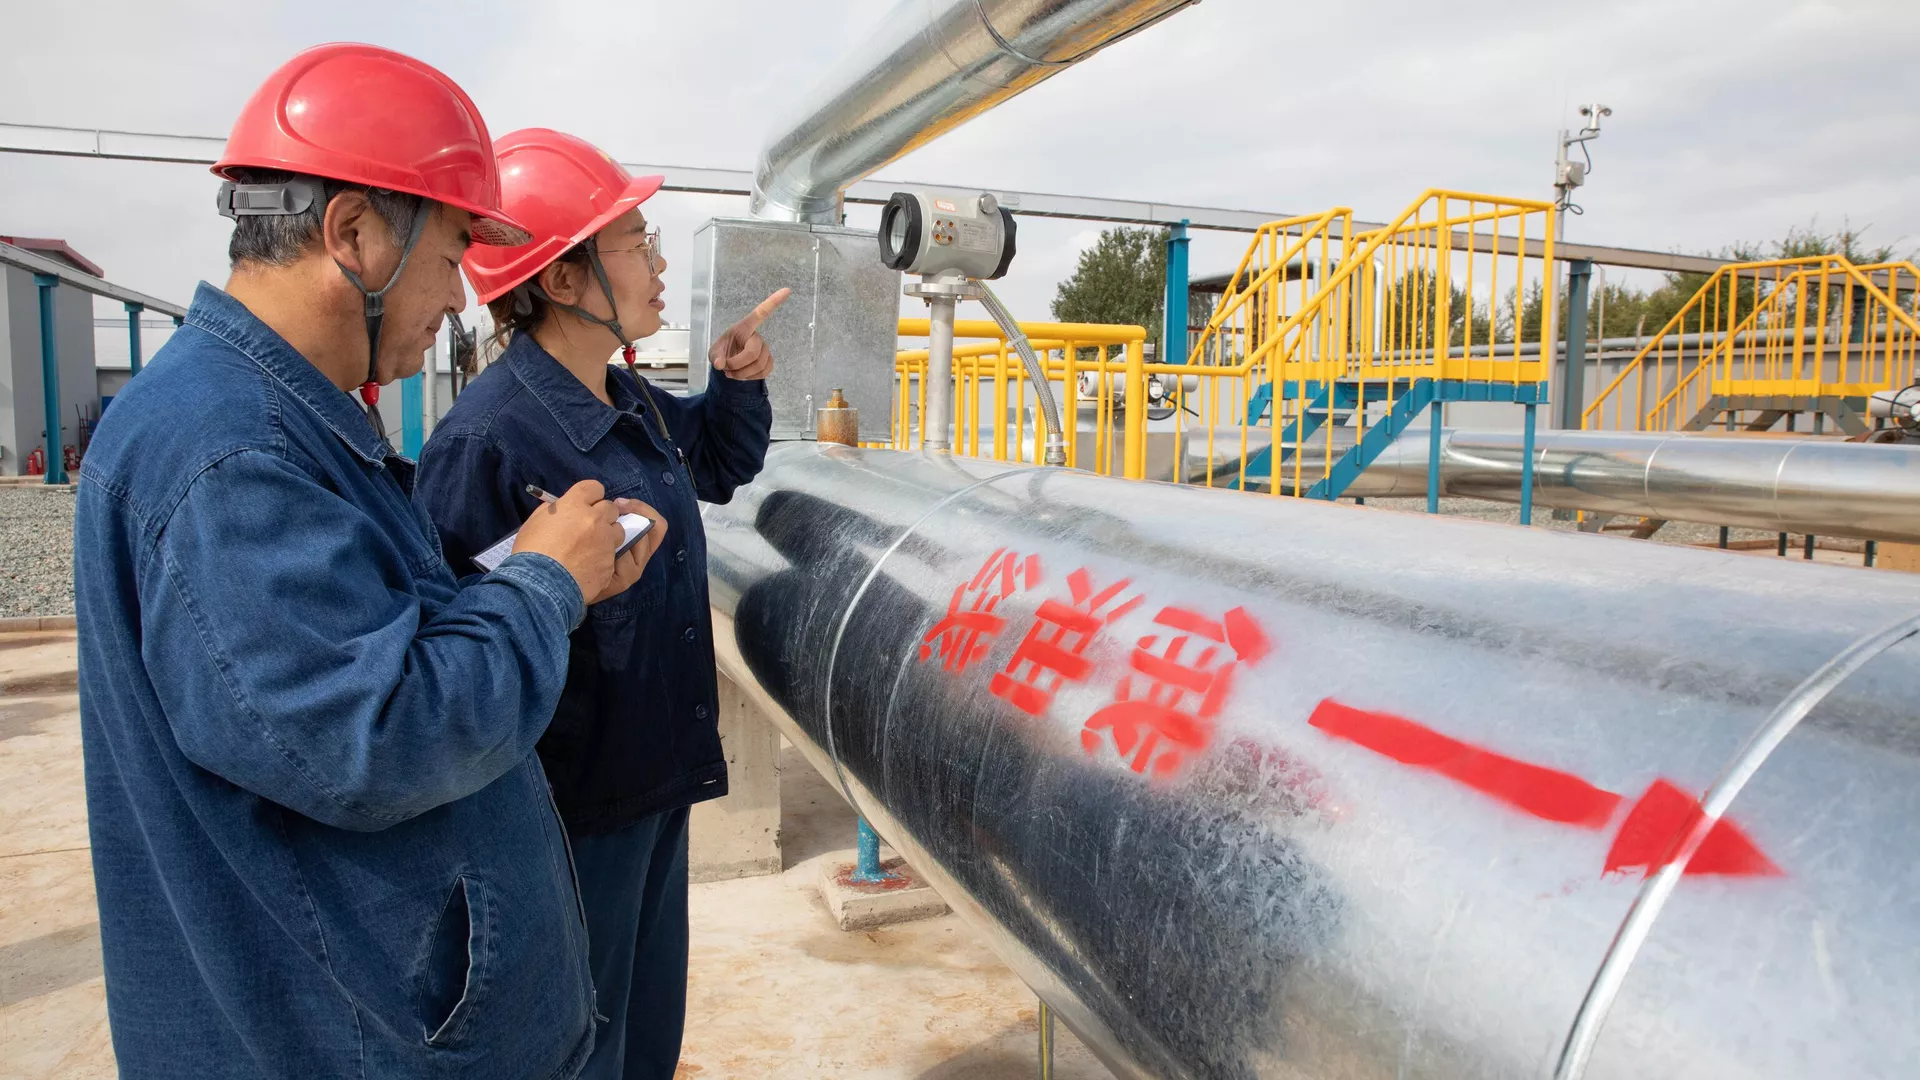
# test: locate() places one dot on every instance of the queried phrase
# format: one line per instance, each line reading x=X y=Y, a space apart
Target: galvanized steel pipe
x=1817 y=486
x=936 y=421
x=931 y=66
x=1256 y=788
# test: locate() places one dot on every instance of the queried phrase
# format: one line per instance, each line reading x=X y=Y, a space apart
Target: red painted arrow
x=1655 y=826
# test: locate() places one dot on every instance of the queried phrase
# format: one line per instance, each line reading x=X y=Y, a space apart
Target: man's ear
x=562 y=281
x=352 y=232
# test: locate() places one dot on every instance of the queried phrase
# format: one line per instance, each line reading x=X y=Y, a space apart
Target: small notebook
x=636 y=526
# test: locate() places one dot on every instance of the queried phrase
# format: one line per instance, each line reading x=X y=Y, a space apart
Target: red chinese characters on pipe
x=967 y=631
x=1165 y=704
x=1654 y=828
x=1050 y=654
x=1164 y=710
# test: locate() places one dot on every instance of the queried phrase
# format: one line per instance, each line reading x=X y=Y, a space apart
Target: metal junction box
x=839 y=329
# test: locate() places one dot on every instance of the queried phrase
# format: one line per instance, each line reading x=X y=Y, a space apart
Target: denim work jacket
x=637 y=730
x=322 y=843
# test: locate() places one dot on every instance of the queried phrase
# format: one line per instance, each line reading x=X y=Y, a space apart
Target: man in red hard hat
x=322 y=844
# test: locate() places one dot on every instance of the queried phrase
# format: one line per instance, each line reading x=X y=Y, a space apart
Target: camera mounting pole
x=942 y=292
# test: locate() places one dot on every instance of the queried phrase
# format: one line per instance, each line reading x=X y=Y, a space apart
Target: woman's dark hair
x=522 y=308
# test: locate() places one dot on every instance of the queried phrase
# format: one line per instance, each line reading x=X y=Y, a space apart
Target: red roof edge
x=59 y=248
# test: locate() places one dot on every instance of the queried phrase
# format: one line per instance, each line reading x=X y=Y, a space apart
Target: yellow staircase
x=1771 y=339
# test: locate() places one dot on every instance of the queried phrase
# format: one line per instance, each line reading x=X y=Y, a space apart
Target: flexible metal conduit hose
x=1049 y=407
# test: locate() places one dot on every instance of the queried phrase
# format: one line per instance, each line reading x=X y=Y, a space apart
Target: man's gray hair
x=283 y=239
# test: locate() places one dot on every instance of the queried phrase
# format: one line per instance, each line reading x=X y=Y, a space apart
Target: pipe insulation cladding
x=1259 y=788
x=1820 y=486
x=931 y=66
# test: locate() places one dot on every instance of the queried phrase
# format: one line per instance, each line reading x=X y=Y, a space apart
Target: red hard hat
x=367 y=115
x=562 y=188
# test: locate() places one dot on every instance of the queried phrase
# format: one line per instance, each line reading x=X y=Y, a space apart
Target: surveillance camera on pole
x=1567 y=174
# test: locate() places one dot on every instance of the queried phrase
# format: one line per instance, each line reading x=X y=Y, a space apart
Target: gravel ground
x=36 y=550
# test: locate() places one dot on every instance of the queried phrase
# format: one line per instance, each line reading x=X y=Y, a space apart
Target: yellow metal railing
x=1311 y=304
x=1418 y=298
x=1804 y=328
x=997 y=411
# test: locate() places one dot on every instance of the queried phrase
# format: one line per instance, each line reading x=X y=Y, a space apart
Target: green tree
x=1631 y=311
x=1120 y=279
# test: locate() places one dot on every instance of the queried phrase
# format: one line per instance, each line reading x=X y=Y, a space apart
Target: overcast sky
x=1732 y=121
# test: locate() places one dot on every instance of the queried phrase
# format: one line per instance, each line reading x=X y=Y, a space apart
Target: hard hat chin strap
x=373 y=308
x=613 y=326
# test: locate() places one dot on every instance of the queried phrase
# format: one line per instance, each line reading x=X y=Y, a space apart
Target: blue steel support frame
x=1433 y=458
x=50 y=378
x=1173 y=347
x=866 y=866
x=412 y=417
x=133 y=333
x=1526 y=468
x=1573 y=366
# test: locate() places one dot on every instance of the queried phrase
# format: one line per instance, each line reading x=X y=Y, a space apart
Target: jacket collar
x=229 y=320
x=581 y=415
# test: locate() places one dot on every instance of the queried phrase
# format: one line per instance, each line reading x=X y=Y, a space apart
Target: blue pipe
x=1526 y=469
x=412 y=417
x=1433 y=457
x=866 y=866
x=50 y=378
x=133 y=333
x=1173 y=347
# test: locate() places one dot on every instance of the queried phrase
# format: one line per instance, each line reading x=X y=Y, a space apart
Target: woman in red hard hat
x=635 y=740
x=322 y=844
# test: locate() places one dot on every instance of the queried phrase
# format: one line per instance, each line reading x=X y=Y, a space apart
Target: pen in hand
x=634 y=525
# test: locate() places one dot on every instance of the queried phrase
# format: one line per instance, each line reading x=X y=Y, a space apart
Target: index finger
x=759 y=314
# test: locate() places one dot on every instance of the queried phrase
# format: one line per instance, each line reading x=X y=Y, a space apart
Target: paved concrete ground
x=776 y=989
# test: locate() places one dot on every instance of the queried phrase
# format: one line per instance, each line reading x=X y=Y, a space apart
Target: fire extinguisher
x=70 y=459
x=37 y=462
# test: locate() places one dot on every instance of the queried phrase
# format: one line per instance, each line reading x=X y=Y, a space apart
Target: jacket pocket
x=453 y=977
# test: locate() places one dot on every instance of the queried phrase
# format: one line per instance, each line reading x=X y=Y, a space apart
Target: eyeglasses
x=650 y=244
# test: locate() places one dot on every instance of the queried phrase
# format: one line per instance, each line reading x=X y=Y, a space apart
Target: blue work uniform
x=322 y=843
x=635 y=740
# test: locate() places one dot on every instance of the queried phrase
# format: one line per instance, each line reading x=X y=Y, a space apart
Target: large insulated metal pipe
x=1259 y=788
x=1818 y=486
x=931 y=66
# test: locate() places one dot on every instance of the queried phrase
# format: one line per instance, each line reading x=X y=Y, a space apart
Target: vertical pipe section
x=133 y=334
x=866 y=862
x=50 y=378
x=430 y=391
x=1046 y=1040
x=1573 y=370
x=1173 y=340
x=1135 y=465
x=936 y=420
x=1433 y=459
x=410 y=434
x=1526 y=469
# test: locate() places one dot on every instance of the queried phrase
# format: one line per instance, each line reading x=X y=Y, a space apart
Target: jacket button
x=680 y=556
x=690 y=635
x=700 y=712
x=668 y=477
